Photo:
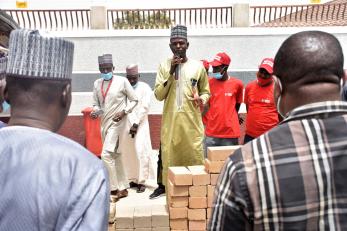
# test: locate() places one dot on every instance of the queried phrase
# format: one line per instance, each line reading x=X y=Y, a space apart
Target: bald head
x=309 y=57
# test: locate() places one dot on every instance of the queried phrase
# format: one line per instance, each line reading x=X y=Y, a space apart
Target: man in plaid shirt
x=294 y=176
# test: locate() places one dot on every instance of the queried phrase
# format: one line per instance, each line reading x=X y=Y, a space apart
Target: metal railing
x=77 y=19
x=296 y=15
x=211 y=17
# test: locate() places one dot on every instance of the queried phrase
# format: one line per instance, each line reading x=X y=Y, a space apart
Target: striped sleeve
x=230 y=199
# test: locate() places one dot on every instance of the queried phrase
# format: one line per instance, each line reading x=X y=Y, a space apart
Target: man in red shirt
x=203 y=109
x=206 y=65
x=222 y=121
x=259 y=99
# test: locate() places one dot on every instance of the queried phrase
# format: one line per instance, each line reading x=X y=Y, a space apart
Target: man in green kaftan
x=183 y=85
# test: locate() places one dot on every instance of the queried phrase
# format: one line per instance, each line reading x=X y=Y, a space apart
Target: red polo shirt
x=222 y=119
x=262 y=113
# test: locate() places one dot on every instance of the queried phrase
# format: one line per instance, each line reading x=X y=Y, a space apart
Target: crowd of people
x=288 y=175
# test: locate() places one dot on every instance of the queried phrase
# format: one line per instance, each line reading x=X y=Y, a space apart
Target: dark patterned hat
x=105 y=59
x=179 y=31
x=3 y=64
x=36 y=55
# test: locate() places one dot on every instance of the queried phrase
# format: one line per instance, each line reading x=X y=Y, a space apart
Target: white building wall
x=246 y=46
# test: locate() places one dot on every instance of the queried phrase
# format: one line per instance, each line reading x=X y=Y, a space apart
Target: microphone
x=176 y=68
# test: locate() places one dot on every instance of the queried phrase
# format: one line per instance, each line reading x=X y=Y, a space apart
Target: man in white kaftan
x=114 y=98
x=139 y=160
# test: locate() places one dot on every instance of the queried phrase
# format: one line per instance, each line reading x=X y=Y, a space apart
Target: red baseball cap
x=205 y=63
x=219 y=59
x=267 y=64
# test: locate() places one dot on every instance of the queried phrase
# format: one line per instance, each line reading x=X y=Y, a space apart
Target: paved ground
x=134 y=199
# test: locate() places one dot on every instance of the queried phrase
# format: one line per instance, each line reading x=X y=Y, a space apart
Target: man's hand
x=119 y=116
x=197 y=100
x=133 y=130
x=174 y=62
x=94 y=114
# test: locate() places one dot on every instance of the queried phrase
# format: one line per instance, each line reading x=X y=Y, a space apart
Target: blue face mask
x=107 y=76
x=217 y=75
x=135 y=85
x=5 y=106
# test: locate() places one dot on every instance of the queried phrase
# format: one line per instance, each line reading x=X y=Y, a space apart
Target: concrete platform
x=138 y=199
x=134 y=199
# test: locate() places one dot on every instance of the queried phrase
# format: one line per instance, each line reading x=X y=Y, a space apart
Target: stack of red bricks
x=190 y=190
x=187 y=197
x=216 y=157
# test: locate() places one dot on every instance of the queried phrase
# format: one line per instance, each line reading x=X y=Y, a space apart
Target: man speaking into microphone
x=181 y=128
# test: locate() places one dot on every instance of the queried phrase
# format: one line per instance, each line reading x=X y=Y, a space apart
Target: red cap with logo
x=267 y=64
x=220 y=59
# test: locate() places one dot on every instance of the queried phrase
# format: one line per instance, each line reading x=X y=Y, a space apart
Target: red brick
x=210 y=190
x=154 y=121
x=197 y=225
x=197 y=202
x=209 y=213
x=209 y=202
x=180 y=176
x=176 y=213
x=214 y=178
x=73 y=128
x=198 y=191
x=177 y=202
x=177 y=190
x=196 y=214
x=213 y=166
x=200 y=176
x=179 y=224
x=220 y=153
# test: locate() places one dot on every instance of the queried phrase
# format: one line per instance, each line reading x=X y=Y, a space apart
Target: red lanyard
x=102 y=89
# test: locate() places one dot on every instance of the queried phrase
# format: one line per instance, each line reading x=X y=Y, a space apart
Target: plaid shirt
x=291 y=178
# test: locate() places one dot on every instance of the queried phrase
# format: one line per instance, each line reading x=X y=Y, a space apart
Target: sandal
x=132 y=184
x=114 y=192
x=140 y=188
x=122 y=193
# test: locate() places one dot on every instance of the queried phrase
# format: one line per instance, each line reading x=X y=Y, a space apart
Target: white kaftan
x=139 y=160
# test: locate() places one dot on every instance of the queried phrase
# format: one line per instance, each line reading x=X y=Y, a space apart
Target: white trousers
x=112 y=158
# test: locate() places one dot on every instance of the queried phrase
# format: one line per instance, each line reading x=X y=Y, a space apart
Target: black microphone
x=176 y=68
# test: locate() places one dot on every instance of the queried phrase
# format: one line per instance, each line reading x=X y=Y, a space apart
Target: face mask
x=5 y=106
x=264 y=82
x=279 y=99
x=107 y=76
x=278 y=107
x=217 y=75
x=135 y=85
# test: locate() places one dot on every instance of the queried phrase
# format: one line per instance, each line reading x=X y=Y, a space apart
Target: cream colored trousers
x=112 y=158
